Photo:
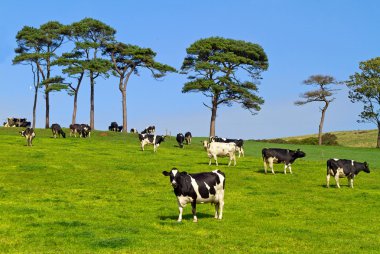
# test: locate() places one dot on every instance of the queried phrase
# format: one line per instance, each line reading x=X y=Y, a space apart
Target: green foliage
x=104 y=195
x=217 y=66
x=365 y=87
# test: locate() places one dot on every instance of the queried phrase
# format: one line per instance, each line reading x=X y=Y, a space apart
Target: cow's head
x=205 y=144
x=22 y=133
x=299 y=154
x=366 y=167
x=63 y=134
x=174 y=175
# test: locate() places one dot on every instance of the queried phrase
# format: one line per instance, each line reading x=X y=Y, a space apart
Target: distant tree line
x=224 y=70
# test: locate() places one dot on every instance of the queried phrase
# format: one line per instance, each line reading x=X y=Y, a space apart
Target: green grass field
x=104 y=195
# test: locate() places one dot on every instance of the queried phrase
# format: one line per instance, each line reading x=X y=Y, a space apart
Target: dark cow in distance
x=198 y=188
x=188 y=137
x=57 y=130
x=180 y=139
x=113 y=127
x=149 y=130
x=29 y=134
x=151 y=139
x=339 y=168
x=279 y=155
x=133 y=130
x=238 y=142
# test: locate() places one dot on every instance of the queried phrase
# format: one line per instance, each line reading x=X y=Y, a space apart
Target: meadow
x=104 y=195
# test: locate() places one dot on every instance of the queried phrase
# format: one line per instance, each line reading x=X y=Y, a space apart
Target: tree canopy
x=225 y=70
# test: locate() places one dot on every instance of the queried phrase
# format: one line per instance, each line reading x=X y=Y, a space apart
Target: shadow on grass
x=187 y=217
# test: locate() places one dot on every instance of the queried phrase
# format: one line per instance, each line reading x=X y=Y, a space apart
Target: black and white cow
x=149 y=130
x=133 y=130
x=339 y=168
x=113 y=126
x=85 y=130
x=29 y=134
x=180 y=139
x=238 y=142
x=151 y=139
x=198 y=188
x=279 y=155
x=57 y=130
x=188 y=137
x=74 y=129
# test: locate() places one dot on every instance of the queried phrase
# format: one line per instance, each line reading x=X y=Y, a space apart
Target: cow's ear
x=165 y=173
x=366 y=164
x=184 y=172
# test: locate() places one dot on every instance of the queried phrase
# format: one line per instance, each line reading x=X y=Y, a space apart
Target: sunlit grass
x=104 y=195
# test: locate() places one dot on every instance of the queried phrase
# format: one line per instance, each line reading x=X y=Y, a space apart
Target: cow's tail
x=263 y=153
x=328 y=166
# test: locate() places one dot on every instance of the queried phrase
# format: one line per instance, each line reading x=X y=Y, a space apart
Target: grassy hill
x=358 y=138
x=104 y=195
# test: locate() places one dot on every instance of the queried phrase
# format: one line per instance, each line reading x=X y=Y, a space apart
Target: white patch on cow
x=335 y=159
x=174 y=171
x=184 y=200
x=340 y=172
x=352 y=162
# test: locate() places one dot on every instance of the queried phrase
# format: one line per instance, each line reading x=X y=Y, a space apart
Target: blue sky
x=301 y=38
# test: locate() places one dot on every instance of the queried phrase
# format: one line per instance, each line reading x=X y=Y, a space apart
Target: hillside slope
x=358 y=138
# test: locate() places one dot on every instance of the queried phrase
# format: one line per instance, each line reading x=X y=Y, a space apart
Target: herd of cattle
x=208 y=187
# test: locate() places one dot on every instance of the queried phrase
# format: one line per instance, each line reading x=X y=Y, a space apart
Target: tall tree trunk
x=124 y=94
x=378 y=136
x=35 y=100
x=74 y=117
x=321 y=123
x=92 y=107
x=213 y=115
x=47 y=110
x=76 y=91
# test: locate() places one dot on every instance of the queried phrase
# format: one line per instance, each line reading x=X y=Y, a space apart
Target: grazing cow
x=198 y=188
x=239 y=143
x=151 y=139
x=344 y=168
x=113 y=127
x=86 y=130
x=29 y=134
x=279 y=155
x=180 y=139
x=56 y=129
x=74 y=129
x=218 y=149
x=149 y=130
x=133 y=130
x=188 y=137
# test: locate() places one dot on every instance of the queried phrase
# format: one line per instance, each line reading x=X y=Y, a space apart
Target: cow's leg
x=265 y=166
x=217 y=210
x=285 y=166
x=210 y=157
x=350 y=182
x=242 y=151
x=180 y=208
x=216 y=159
x=337 y=180
x=290 y=168
x=328 y=180
x=154 y=148
x=234 y=157
x=221 y=205
x=270 y=160
x=194 y=210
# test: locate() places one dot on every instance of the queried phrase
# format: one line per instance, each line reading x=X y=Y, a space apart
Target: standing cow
x=279 y=155
x=198 y=188
x=29 y=134
x=57 y=130
x=180 y=139
x=217 y=149
x=151 y=139
x=188 y=137
x=339 y=168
